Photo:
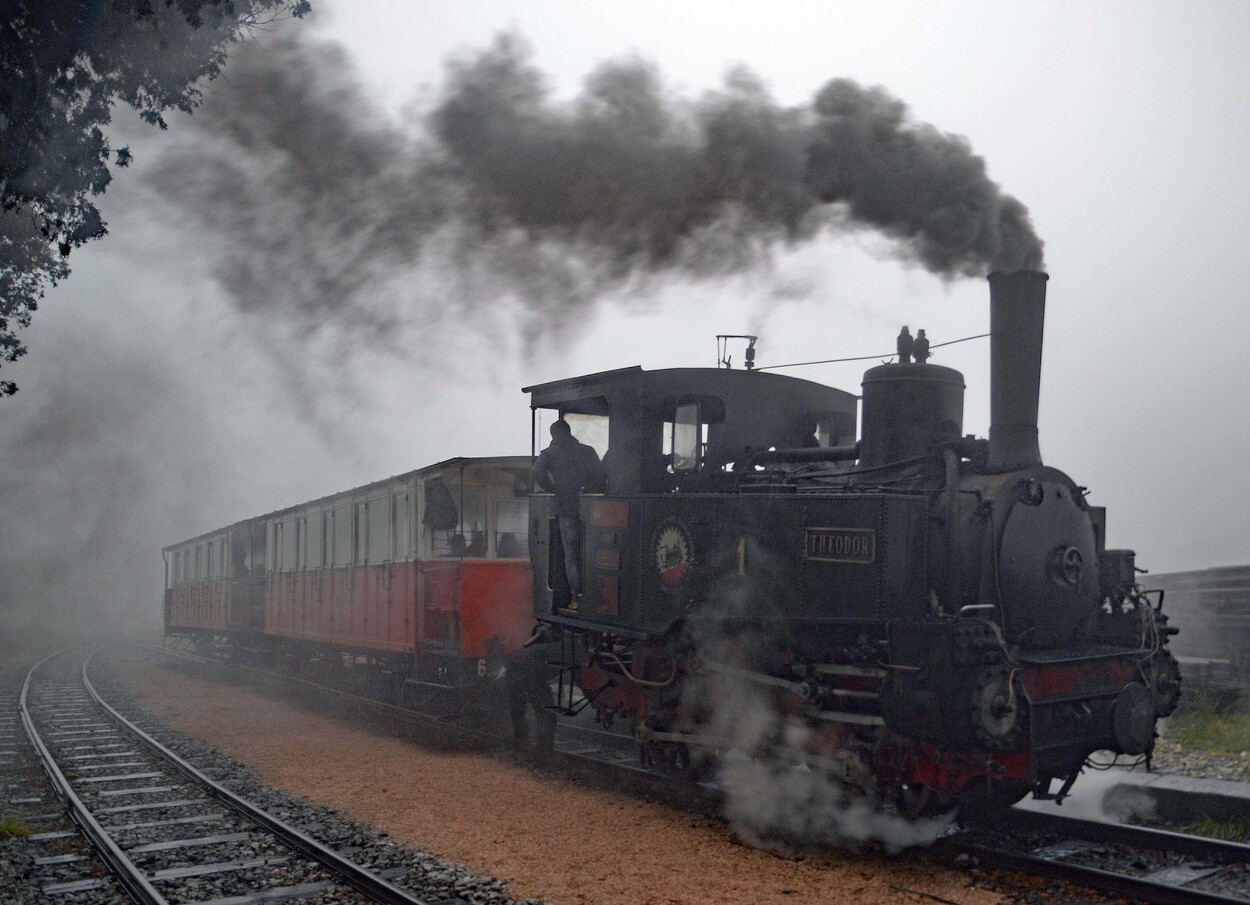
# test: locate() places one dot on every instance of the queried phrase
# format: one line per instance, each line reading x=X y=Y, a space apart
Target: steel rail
x=1135 y=889
x=353 y=874
x=131 y=877
x=1138 y=836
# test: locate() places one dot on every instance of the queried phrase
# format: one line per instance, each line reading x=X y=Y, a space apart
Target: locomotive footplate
x=965 y=700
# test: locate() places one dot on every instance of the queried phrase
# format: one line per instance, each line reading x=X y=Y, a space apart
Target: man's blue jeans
x=571 y=540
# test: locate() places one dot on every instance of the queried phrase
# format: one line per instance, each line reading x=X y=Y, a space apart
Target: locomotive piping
x=644 y=683
x=1017 y=316
x=954 y=552
x=815 y=454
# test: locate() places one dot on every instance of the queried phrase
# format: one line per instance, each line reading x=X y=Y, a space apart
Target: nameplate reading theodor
x=854 y=545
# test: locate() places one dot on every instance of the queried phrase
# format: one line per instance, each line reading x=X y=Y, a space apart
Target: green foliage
x=11 y=827
x=1207 y=723
x=63 y=65
x=1236 y=829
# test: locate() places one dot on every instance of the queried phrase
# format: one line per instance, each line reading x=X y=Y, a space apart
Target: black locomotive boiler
x=940 y=612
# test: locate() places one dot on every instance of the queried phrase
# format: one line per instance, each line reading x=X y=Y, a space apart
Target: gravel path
x=1170 y=757
x=546 y=838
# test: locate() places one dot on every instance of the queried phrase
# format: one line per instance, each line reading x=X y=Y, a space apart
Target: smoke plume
x=320 y=208
x=778 y=800
x=791 y=784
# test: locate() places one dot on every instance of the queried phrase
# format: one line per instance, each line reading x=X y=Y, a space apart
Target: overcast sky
x=152 y=409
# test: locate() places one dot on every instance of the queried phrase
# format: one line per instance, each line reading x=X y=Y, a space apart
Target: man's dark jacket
x=568 y=467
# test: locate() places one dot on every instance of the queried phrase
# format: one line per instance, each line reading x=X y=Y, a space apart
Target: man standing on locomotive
x=920 y=348
x=566 y=468
x=905 y=344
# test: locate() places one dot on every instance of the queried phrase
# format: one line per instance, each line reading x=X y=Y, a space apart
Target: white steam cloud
x=778 y=799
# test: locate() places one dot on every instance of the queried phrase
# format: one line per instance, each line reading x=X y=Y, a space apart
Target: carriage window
x=301 y=543
x=378 y=519
x=258 y=560
x=473 y=520
x=511 y=528
x=237 y=540
x=312 y=544
x=399 y=526
x=359 y=535
x=342 y=536
x=466 y=536
x=289 y=545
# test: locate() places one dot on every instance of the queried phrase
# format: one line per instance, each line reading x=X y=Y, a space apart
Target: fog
x=277 y=315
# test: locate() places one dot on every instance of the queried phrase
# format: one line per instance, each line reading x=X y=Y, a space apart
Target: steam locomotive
x=938 y=614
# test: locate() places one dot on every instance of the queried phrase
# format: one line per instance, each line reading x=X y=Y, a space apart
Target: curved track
x=115 y=778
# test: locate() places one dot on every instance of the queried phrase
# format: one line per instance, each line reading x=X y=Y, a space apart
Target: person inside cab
x=566 y=468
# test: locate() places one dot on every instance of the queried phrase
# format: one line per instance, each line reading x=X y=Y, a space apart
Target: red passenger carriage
x=422 y=578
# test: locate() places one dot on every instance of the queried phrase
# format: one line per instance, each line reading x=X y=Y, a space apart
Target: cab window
x=685 y=439
x=589 y=427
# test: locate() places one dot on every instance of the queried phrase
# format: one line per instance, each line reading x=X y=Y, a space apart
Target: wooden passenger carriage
x=424 y=576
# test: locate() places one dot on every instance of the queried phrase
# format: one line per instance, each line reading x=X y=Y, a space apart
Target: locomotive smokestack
x=1017 y=314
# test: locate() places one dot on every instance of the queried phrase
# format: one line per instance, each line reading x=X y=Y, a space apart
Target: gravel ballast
x=545 y=838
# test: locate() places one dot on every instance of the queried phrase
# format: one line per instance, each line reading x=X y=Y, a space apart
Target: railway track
x=1134 y=863
x=44 y=851
x=160 y=824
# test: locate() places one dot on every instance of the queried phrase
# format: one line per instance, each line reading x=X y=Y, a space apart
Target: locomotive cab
x=659 y=434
